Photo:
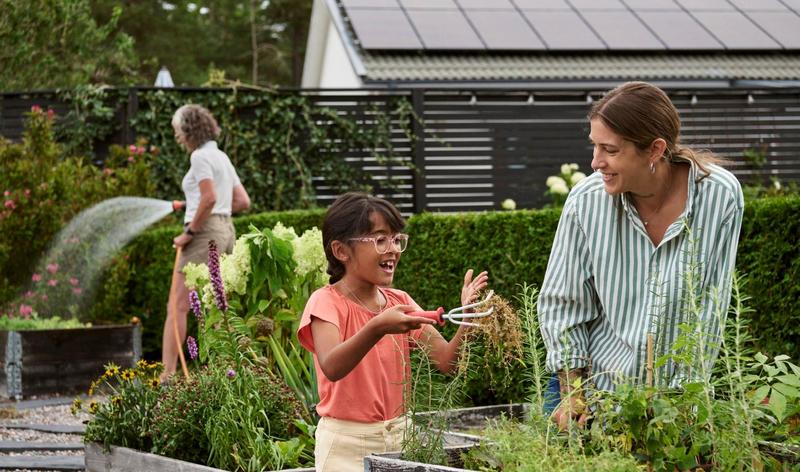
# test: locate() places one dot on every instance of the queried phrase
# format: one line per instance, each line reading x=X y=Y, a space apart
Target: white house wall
x=337 y=71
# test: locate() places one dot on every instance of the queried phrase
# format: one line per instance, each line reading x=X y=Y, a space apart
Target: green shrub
x=41 y=192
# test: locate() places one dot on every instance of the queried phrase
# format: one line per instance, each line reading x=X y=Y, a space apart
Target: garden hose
x=174 y=309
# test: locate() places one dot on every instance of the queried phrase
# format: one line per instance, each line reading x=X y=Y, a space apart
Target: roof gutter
x=347 y=40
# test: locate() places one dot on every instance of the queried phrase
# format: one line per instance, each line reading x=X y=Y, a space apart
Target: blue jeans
x=552 y=396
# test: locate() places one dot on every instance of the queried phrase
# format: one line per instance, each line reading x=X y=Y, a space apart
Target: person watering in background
x=213 y=192
x=360 y=334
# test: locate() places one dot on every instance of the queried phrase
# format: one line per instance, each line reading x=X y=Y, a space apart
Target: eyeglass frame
x=392 y=241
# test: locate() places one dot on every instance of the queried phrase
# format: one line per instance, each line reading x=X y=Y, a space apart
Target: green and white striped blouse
x=607 y=286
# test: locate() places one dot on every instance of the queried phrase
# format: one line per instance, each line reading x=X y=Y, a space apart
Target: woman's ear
x=657 y=149
x=340 y=251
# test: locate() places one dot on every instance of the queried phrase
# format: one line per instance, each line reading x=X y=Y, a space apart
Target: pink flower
x=52 y=282
x=50 y=114
x=10 y=204
x=73 y=281
x=77 y=290
x=108 y=171
x=36 y=277
x=28 y=294
x=25 y=310
x=52 y=268
x=44 y=298
x=132 y=148
x=139 y=150
x=6 y=193
x=36 y=109
x=27 y=192
x=131 y=159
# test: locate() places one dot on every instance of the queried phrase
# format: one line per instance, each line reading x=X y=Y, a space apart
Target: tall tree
x=255 y=41
x=58 y=43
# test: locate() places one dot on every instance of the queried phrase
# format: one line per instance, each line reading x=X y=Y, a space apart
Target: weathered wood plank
x=42 y=462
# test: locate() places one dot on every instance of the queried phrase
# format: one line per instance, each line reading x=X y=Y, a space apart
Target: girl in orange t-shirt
x=360 y=335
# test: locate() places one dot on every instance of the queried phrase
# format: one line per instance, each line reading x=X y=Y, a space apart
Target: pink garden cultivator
x=457 y=315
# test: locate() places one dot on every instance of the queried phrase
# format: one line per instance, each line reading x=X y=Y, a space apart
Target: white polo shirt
x=208 y=162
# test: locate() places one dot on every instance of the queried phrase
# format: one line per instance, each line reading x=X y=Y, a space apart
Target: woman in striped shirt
x=653 y=213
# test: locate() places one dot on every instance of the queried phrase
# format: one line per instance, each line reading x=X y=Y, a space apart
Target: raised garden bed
x=40 y=362
x=122 y=459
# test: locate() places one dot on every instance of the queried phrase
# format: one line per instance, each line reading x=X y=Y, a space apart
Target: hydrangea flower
x=308 y=252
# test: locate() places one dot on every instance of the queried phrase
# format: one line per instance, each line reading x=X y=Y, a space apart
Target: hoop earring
x=652 y=168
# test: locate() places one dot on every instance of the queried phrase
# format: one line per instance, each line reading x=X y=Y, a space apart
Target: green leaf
x=760 y=358
x=760 y=394
x=789 y=380
x=789 y=391
x=777 y=404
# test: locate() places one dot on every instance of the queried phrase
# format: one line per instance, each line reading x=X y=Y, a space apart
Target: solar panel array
x=564 y=25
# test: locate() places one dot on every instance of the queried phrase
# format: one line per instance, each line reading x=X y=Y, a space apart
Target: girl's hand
x=395 y=321
x=570 y=410
x=469 y=292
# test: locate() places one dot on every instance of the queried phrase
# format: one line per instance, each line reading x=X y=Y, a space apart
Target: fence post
x=418 y=131
x=130 y=111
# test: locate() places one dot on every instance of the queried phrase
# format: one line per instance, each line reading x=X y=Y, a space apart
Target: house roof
x=586 y=67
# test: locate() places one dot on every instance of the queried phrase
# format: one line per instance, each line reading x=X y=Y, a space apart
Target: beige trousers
x=341 y=445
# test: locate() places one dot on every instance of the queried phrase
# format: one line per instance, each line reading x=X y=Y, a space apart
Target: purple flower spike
x=194 y=302
x=192 y=345
x=216 y=278
x=231 y=373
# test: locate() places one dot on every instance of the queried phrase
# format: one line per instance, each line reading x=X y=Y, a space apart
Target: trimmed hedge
x=514 y=247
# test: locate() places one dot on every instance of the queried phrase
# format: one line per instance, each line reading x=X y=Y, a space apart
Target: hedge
x=512 y=246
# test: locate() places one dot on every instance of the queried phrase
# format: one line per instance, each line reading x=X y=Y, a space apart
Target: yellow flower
x=93 y=407
x=92 y=387
x=111 y=371
x=116 y=401
x=154 y=382
x=142 y=364
x=76 y=406
x=128 y=375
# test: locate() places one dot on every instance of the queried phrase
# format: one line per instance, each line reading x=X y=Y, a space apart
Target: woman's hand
x=469 y=292
x=182 y=240
x=395 y=321
x=572 y=408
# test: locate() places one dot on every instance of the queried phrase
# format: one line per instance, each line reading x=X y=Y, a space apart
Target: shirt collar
x=209 y=145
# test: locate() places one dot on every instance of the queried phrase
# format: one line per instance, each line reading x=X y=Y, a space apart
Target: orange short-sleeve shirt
x=373 y=390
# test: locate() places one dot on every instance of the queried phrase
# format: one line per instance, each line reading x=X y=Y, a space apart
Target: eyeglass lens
x=400 y=241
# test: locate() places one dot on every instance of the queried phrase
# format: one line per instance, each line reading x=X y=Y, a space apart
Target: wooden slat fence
x=475 y=148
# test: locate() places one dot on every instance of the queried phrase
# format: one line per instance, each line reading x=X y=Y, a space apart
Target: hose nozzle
x=178 y=205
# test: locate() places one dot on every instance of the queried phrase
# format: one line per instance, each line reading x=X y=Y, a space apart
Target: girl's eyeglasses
x=383 y=242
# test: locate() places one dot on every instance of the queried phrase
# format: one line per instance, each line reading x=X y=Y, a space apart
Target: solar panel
x=735 y=30
x=582 y=5
x=622 y=30
x=783 y=26
x=652 y=5
x=678 y=30
x=445 y=29
x=698 y=5
x=484 y=5
x=504 y=30
x=429 y=4
x=542 y=4
x=760 y=5
x=383 y=29
x=370 y=4
x=563 y=30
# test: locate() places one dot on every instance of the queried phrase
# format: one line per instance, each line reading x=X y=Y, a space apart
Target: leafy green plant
x=33 y=322
x=125 y=418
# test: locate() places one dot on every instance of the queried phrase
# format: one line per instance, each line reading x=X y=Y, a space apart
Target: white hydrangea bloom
x=308 y=252
x=573 y=166
x=235 y=268
x=577 y=177
x=565 y=169
x=555 y=180
x=287 y=234
x=508 y=204
x=560 y=188
x=196 y=275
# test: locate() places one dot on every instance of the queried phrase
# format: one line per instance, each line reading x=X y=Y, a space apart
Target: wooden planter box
x=122 y=459
x=40 y=362
x=460 y=438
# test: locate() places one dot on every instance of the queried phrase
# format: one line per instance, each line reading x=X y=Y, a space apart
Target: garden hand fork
x=457 y=315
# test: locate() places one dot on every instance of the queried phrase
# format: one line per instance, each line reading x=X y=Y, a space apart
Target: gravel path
x=51 y=415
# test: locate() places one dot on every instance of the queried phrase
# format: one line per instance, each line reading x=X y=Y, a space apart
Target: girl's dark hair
x=641 y=113
x=348 y=217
